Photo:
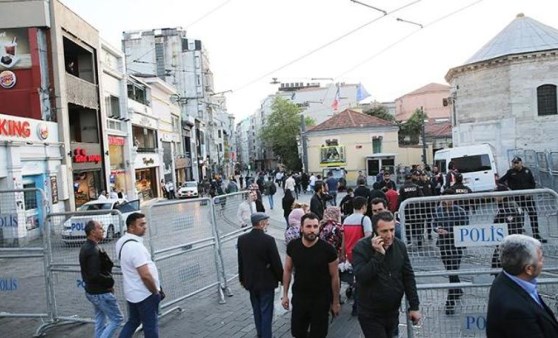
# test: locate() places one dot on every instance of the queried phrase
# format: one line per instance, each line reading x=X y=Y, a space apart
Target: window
x=468 y=164
x=219 y=133
x=376 y=145
x=144 y=139
x=112 y=104
x=137 y=94
x=30 y=196
x=546 y=100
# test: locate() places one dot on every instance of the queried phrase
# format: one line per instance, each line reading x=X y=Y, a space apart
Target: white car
x=188 y=189
x=74 y=228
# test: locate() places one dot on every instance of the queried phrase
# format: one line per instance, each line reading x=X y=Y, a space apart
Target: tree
x=412 y=128
x=281 y=130
x=381 y=112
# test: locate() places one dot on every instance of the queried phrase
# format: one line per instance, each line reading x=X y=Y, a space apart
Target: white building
x=168 y=54
x=121 y=176
x=506 y=93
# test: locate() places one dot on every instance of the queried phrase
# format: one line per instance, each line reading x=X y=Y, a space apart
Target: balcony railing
x=81 y=92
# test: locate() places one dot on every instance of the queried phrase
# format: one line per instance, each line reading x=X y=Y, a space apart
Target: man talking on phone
x=384 y=273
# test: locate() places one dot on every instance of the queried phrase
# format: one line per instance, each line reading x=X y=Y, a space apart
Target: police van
x=476 y=163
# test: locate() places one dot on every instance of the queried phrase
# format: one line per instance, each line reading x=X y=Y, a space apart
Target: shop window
x=30 y=197
x=546 y=100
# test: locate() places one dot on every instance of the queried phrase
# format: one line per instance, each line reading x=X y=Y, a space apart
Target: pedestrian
x=113 y=194
x=332 y=187
x=170 y=189
x=259 y=271
x=520 y=177
x=362 y=190
x=103 y=196
x=392 y=198
x=315 y=291
x=437 y=181
x=96 y=272
x=515 y=308
x=241 y=180
x=164 y=189
x=450 y=176
x=331 y=230
x=290 y=182
x=304 y=182
x=383 y=273
x=298 y=188
x=386 y=182
x=355 y=227
x=446 y=217
x=346 y=203
x=379 y=205
x=317 y=203
x=232 y=187
x=293 y=230
x=141 y=279
x=259 y=203
x=270 y=190
x=287 y=203
x=312 y=179
x=246 y=209
x=427 y=207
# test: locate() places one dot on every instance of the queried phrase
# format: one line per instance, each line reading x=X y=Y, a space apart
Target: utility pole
x=303 y=143
x=423 y=136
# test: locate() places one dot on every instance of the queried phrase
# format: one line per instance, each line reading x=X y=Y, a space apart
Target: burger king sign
x=7 y=79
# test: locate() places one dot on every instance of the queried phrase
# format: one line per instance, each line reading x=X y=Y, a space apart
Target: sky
x=249 y=42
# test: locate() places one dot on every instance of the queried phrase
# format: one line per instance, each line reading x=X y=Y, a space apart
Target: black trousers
x=310 y=313
x=451 y=257
x=528 y=205
x=378 y=325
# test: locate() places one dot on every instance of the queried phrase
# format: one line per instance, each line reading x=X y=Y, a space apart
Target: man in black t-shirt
x=316 y=281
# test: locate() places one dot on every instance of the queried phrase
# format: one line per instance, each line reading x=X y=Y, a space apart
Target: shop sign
x=54 y=189
x=17 y=128
x=148 y=160
x=116 y=140
x=80 y=156
x=8 y=79
x=14 y=49
x=42 y=131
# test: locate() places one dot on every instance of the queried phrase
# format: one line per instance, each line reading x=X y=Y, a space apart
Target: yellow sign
x=332 y=156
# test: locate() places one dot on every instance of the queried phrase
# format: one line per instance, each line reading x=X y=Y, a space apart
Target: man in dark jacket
x=413 y=227
x=515 y=308
x=384 y=273
x=259 y=271
x=317 y=203
x=96 y=272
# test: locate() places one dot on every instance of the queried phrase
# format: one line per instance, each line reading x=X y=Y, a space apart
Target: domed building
x=506 y=93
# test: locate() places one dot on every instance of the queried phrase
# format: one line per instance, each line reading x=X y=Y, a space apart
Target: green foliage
x=409 y=132
x=281 y=130
x=309 y=122
x=381 y=112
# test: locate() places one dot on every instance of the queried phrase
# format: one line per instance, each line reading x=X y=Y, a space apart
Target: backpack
x=272 y=188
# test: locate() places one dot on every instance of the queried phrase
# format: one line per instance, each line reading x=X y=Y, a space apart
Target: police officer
x=413 y=227
x=458 y=188
x=427 y=208
x=521 y=178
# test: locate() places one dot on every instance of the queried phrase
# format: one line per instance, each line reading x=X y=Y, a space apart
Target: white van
x=476 y=163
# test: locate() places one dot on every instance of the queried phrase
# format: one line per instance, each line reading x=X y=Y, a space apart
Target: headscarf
x=295 y=216
x=332 y=214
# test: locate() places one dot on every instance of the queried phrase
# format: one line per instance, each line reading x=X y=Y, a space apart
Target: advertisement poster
x=333 y=156
x=14 y=49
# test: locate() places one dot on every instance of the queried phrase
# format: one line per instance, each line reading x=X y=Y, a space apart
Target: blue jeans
x=106 y=307
x=262 y=306
x=145 y=313
x=270 y=197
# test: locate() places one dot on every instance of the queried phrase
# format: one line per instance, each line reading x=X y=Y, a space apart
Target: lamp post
x=303 y=143
x=423 y=136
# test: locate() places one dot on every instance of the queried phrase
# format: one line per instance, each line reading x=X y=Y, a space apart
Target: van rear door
x=477 y=170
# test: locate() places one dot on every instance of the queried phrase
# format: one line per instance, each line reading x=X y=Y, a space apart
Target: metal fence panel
x=229 y=228
x=66 y=236
x=181 y=236
x=23 y=256
x=469 y=318
x=476 y=223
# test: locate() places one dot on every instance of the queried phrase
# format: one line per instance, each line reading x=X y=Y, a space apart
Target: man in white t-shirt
x=141 y=279
x=313 y=179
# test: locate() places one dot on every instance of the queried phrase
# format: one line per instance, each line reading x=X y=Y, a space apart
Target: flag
x=335 y=104
x=361 y=93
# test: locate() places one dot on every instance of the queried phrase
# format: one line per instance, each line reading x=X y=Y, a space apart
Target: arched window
x=546 y=100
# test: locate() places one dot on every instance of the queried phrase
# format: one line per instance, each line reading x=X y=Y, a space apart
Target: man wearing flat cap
x=520 y=177
x=259 y=270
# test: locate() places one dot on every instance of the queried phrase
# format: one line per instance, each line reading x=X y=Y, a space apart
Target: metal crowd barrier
x=183 y=241
x=24 y=280
x=66 y=235
x=477 y=224
x=228 y=226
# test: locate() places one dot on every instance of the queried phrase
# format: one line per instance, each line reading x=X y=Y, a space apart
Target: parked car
x=74 y=228
x=188 y=189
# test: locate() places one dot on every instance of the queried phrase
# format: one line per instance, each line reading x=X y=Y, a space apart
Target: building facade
x=506 y=93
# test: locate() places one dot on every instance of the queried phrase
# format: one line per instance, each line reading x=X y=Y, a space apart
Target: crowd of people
x=358 y=241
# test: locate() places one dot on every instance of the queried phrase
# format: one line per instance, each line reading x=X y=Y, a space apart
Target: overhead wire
x=406 y=37
x=312 y=51
x=208 y=13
